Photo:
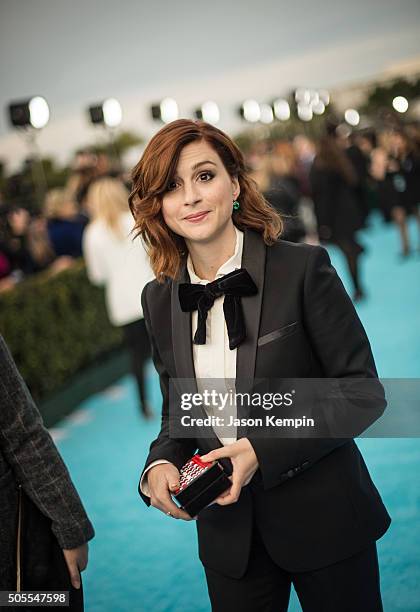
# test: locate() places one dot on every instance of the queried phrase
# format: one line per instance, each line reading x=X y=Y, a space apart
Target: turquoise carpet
x=141 y=560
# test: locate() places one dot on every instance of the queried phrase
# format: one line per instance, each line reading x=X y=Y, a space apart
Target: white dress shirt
x=213 y=360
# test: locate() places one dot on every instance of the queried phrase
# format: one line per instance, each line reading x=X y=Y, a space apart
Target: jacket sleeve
x=172 y=450
x=339 y=342
x=29 y=450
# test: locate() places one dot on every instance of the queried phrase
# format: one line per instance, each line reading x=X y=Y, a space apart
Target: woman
x=113 y=260
x=334 y=182
x=390 y=197
x=29 y=457
x=299 y=510
x=404 y=164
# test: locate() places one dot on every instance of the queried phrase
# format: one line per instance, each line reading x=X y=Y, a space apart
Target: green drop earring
x=236 y=205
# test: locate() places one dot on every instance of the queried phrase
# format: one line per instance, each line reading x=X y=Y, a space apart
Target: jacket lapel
x=181 y=332
x=183 y=355
x=253 y=260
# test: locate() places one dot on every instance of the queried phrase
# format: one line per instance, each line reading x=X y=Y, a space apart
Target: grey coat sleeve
x=29 y=450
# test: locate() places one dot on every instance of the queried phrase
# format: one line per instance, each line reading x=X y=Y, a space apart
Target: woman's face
x=198 y=202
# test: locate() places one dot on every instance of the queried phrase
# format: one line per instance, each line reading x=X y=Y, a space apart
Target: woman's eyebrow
x=202 y=163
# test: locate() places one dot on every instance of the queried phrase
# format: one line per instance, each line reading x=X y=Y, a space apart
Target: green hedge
x=55 y=327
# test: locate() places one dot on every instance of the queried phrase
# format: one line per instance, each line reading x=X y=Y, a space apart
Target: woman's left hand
x=244 y=462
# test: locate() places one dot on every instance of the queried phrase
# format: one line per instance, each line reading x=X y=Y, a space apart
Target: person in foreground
x=301 y=511
x=29 y=457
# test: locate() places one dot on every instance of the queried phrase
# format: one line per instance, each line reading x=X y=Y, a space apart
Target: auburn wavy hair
x=155 y=170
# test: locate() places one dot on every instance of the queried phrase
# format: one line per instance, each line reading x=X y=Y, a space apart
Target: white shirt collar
x=233 y=263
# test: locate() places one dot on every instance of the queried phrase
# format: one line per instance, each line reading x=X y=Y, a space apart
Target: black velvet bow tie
x=201 y=297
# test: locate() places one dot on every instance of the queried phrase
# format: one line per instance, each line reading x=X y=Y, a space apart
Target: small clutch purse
x=200 y=483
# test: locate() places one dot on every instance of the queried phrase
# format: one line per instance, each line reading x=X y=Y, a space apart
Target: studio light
x=304 y=112
x=166 y=110
x=107 y=113
x=209 y=112
x=400 y=104
x=311 y=101
x=318 y=107
x=324 y=96
x=302 y=96
x=266 y=113
x=281 y=109
x=352 y=117
x=33 y=112
x=250 y=111
x=112 y=112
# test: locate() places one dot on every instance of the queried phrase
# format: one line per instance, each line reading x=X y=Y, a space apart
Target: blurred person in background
x=29 y=458
x=333 y=181
x=40 y=245
x=121 y=265
x=391 y=188
x=65 y=225
x=14 y=241
x=83 y=174
x=358 y=150
x=88 y=166
x=365 y=140
x=5 y=263
x=274 y=172
x=305 y=151
x=388 y=190
x=258 y=163
x=404 y=160
x=24 y=246
x=283 y=191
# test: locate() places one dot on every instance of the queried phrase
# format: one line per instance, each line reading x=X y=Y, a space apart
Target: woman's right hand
x=162 y=479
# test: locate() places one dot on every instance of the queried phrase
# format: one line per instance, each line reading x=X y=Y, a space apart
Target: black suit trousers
x=350 y=585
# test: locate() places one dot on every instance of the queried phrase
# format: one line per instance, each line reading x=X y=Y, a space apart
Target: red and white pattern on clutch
x=191 y=470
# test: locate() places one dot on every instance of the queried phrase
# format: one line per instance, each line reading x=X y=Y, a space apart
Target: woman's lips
x=198 y=217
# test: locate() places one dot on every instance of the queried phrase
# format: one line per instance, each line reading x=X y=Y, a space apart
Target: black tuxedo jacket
x=313 y=499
